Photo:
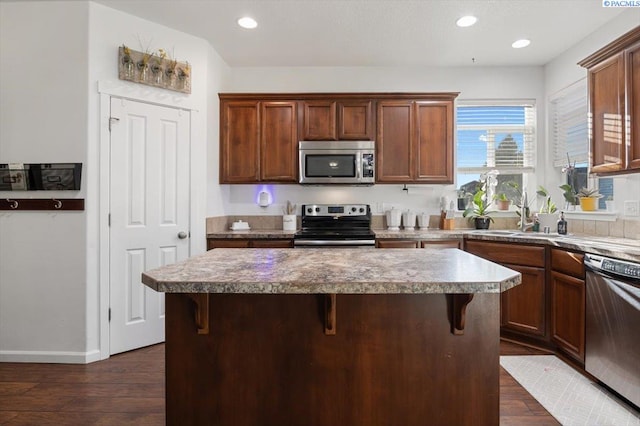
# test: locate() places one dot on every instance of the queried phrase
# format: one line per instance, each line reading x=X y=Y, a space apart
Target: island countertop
x=333 y=271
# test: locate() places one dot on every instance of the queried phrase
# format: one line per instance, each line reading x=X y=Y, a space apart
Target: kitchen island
x=332 y=337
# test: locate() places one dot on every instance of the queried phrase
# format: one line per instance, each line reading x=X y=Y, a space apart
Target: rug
x=566 y=394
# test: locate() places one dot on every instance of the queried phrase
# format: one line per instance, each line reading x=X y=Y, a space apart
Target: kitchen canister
x=409 y=220
x=289 y=222
x=394 y=218
x=423 y=220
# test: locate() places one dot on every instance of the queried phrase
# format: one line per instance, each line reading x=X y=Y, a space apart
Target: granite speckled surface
x=325 y=271
x=621 y=248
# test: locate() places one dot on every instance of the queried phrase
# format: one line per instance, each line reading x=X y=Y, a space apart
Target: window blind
x=496 y=135
x=569 y=125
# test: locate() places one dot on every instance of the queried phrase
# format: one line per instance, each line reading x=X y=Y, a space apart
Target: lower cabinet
x=248 y=243
x=523 y=308
x=568 y=303
x=441 y=244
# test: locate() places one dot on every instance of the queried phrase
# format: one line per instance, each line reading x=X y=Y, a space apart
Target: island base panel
x=393 y=360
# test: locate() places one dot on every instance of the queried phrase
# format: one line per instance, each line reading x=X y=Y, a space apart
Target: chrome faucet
x=524 y=225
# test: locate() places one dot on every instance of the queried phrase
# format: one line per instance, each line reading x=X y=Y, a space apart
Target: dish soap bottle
x=562 y=225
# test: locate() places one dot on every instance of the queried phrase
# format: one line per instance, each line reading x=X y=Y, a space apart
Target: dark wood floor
x=128 y=389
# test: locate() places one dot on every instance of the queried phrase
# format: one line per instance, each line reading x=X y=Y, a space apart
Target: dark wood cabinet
x=331 y=120
x=395 y=243
x=567 y=277
x=278 y=142
x=240 y=142
x=415 y=141
x=613 y=74
x=258 y=141
x=213 y=243
x=523 y=309
x=441 y=244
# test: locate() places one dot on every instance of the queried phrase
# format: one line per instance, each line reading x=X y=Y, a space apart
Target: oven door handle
x=320 y=243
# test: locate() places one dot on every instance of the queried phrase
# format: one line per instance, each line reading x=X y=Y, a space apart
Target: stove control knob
x=361 y=209
x=309 y=210
x=317 y=209
x=353 y=209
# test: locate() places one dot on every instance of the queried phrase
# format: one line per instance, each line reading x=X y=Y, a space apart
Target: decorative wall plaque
x=153 y=70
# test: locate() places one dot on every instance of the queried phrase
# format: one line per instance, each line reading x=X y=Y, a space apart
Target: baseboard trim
x=50 y=357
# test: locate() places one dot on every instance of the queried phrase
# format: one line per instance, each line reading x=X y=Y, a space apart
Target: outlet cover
x=631 y=208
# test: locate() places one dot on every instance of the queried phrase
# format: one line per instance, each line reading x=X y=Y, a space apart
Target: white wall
x=43 y=118
x=472 y=83
x=564 y=70
x=52 y=297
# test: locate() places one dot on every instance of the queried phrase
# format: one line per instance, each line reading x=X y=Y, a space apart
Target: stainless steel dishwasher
x=612 y=343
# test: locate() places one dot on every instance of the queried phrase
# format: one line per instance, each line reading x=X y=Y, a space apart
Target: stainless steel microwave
x=337 y=162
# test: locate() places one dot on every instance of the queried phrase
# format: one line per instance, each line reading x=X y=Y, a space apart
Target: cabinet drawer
x=567 y=262
x=268 y=243
x=441 y=244
x=525 y=255
x=397 y=243
x=227 y=243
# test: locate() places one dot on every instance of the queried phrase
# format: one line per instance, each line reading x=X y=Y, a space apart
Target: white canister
x=289 y=222
x=394 y=217
x=409 y=220
x=423 y=221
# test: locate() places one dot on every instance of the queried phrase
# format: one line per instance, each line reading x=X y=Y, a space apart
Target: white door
x=149 y=214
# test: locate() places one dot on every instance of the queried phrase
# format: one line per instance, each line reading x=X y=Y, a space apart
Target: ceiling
x=379 y=32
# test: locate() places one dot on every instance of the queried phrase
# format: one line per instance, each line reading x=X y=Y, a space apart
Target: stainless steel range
x=335 y=225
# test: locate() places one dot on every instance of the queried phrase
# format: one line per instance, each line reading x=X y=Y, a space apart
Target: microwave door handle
x=358 y=160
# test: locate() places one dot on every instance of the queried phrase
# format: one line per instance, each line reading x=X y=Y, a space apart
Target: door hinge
x=109 y=314
x=112 y=120
x=109 y=219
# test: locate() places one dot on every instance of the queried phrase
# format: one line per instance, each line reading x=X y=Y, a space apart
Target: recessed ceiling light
x=519 y=44
x=247 y=22
x=466 y=21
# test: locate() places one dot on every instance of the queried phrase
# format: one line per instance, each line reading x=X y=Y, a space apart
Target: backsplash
x=620 y=228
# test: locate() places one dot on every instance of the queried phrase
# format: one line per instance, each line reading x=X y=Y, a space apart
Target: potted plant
x=502 y=202
x=588 y=199
x=478 y=210
x=547 y=217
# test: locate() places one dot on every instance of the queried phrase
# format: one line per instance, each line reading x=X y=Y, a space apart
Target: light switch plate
x=631 y=208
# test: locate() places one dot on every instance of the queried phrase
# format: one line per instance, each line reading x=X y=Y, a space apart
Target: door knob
x=182 y=235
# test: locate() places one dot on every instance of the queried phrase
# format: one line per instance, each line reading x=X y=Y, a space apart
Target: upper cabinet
x=614 y=105
x=259 y=133
x=330 y=120
x=258 y=141
x=414 y=142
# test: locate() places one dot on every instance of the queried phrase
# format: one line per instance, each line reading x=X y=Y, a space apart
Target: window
x=497 y=135
x=569 y=132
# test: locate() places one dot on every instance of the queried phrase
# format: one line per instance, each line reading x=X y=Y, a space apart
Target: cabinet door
x=568 y=314
x=319 y=121
x=397 y=243
x=394 y=141
x=633 y=105
x=606 y=93
x=441 y=244
x=355 y=120
x=523 y=307
x=239 y=142
x=278 y=142
x=434 y=141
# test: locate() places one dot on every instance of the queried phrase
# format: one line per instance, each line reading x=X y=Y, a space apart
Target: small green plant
x=548 y=206
x=569 y=194
x=479 y=207
x=501 y=197
x=589 y=193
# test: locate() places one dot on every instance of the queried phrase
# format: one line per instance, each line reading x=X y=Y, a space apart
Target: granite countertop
x=621 y=248
x=327 y=271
